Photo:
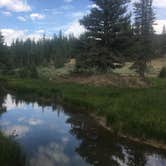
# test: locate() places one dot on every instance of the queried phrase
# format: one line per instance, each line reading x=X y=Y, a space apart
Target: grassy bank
x=10 y=153
x=139 y=113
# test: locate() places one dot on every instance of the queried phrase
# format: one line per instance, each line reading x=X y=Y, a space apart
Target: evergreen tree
x=106 y=22
x=44 y=52
x=144 y=20
x=164 y=30
x=163 y=41
x=3 y=60
x=1 y=39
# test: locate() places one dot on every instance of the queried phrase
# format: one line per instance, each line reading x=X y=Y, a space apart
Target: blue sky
x=32 y=18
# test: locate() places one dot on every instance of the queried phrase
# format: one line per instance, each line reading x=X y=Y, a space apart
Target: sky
x=32 y=18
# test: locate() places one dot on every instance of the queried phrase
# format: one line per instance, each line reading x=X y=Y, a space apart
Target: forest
x=112 y=38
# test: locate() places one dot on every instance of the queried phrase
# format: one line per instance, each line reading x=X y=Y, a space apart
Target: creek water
x=52 y=135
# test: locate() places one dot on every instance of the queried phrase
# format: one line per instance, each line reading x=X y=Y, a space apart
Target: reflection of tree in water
x=2 y=97
x=43 y=102
x=98 y=147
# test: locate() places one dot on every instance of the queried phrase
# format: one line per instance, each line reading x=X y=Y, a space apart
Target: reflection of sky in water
x=50 y=140
x=42 y=132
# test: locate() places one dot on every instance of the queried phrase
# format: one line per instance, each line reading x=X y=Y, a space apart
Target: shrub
x=163 y=73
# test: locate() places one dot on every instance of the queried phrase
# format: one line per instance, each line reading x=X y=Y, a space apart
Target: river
x=52 y=135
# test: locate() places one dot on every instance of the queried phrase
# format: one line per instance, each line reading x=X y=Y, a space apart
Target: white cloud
x=160 y=3
x=21 y=18
x=75 y=28
x=35 y=122
x=92 y=6
x=15 y=5
x=78 y=14
x=37 y=16
x=16 y=130
x=159 y=26
x=51 y=154
x=12 y=34
x=157 y=3
x=6 y=13
x=40 y=31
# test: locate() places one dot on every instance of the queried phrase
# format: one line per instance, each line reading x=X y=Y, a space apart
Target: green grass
x=10 y=153
x=135 y=112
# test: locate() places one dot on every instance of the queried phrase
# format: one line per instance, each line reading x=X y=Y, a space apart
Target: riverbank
x=10 y=152
x=137 y=113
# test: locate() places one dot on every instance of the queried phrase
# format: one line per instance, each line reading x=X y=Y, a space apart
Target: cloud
x=16 y=130
x=21 y=18
x=34 y=122
x=157 y=3
x=75 y=28
x=160 y=3
x=6 y=13
x=8 y=103
x=159 y=26
x=92 y=6
x=15 y=5
x=51 y=155
x=37 y=16
x=12 y=34
x=78 y=15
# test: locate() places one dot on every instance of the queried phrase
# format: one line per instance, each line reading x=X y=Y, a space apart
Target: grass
x=50 y=72
x=154 y=68
x=140 y=113
x=10 y=152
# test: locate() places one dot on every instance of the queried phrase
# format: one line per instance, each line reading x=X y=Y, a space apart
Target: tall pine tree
x=164 y=30
x=144 y=21
x=106 y=22
x=2 y=53
x=163 y=41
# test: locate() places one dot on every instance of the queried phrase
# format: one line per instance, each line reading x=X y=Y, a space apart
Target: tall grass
x=10 y=153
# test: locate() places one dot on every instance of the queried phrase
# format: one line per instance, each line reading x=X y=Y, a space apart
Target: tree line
x=111 y=39
x=29 y=54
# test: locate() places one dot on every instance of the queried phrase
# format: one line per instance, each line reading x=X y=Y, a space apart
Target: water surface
x=51 y=135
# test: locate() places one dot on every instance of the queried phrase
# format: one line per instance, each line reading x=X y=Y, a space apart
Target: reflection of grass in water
x=10 y=153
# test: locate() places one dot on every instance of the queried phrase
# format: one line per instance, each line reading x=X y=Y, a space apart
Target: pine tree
x=164 y=30
x=1 y=39
x=3 y=60
x=105 y=23
x=144 y=21
x=163 y=41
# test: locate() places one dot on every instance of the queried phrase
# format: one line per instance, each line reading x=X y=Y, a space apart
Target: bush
x=163 y=73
